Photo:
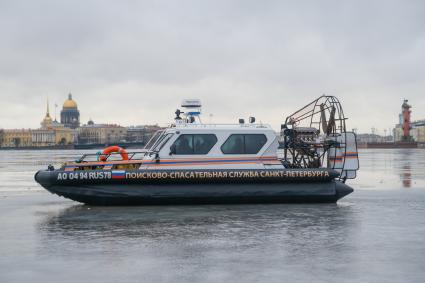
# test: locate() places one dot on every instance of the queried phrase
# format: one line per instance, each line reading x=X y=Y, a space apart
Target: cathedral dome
x=70 y=103
x=70 y=116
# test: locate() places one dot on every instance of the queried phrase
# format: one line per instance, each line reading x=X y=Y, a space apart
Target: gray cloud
x=131 y=62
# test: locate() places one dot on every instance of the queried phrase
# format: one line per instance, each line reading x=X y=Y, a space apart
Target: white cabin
x=213 y=146
x=190 y=144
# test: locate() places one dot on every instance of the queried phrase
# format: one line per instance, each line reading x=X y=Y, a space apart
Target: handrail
x=131 y=155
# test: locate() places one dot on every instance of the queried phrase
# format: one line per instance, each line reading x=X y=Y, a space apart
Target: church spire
x=48 y=110
x=47 y=121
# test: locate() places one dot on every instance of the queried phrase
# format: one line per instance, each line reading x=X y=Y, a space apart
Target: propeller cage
x=315 y=136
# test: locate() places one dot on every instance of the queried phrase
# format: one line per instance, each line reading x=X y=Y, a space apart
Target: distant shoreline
x=395 y=145
x=38 y=148
x=74 y=147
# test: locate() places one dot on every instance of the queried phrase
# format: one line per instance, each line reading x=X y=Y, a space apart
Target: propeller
x=327 y=126
x=323 y=118
x=331 y=124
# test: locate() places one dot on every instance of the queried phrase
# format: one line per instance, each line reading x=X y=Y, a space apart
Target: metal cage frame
x=325 y=115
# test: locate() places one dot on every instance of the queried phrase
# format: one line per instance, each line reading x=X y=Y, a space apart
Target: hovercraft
x=195 y=163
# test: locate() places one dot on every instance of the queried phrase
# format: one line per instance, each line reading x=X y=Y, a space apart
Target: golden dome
x=47 y=119
x=70 y=103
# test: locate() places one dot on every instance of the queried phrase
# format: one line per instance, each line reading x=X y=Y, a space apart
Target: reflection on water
x=390 y=169
x=203 y=240
x=406 y=176
x=372 y=230
x=246 y=225
x=407 y=157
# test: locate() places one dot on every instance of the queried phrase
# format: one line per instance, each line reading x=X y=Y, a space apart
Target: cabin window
x=193 y=144
x=244 y=144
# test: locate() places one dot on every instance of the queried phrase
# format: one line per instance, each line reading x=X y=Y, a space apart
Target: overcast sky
x=132 y=62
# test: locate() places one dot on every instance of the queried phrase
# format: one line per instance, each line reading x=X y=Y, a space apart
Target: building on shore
x=52 y=133
x=16 y=138
x=101 y=133
x=398 y=133
x=69 y=132
x=141 y=134
x=58 y=135
x=418 y=131
x=406 y=130
x=70 y=115
x=373 y=138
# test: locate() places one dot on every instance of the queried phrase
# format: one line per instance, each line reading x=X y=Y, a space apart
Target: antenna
x=192 y=109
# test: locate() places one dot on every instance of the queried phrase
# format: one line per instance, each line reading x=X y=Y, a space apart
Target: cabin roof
x=225 y=127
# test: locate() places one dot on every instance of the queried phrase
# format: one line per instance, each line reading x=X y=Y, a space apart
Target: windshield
x=153 y=140
x=162 y=141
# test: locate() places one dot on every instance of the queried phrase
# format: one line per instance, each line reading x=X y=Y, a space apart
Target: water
x=377 y=234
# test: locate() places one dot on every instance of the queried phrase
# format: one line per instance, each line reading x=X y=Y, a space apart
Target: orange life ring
x=114 y=148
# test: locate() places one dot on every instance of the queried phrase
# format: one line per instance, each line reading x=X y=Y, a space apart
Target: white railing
x=198 y=125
